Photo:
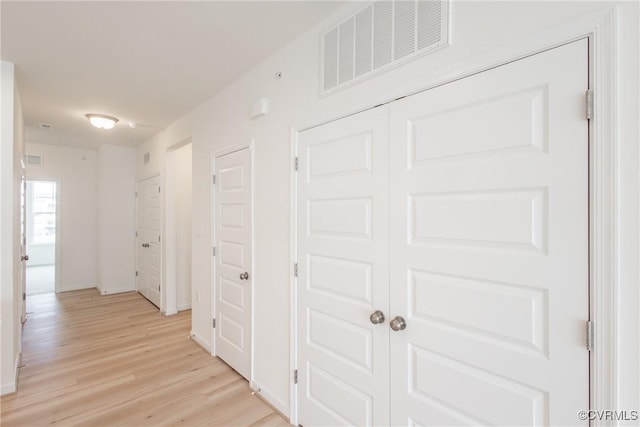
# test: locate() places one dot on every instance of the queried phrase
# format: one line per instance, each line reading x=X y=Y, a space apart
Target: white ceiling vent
x=380 y=36
x=33 y=159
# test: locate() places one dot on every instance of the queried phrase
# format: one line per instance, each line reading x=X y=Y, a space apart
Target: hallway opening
x=41 y=225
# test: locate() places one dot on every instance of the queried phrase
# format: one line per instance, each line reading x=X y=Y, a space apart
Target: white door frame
x=249 y=144
x=56 y=245
x=169 y=285
x=601 y=29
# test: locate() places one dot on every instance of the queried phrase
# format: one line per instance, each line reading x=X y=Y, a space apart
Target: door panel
x=342 y=272
x=233 y=260
x=23 y=248
x=489 y=246
x=148 y=242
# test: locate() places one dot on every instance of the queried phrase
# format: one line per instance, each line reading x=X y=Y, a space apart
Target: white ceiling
x=146 y=62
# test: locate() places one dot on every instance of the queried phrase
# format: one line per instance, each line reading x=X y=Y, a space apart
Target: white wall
x=481 y=32
x=75 y=171
x=116 y=219
x=11 y=169
x=183 y=168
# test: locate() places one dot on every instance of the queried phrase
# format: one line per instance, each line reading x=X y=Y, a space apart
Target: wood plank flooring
x=92 y=360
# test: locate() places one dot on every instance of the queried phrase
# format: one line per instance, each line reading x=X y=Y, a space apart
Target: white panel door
x=489 y=247
x=24 y=257
x=343 y=358
x=233 y=260
x=148 y=241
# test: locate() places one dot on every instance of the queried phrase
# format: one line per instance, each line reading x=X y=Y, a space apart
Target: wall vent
x=33 y=159
x=381 y=36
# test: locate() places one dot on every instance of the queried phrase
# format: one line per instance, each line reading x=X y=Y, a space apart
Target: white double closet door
x=462 y=212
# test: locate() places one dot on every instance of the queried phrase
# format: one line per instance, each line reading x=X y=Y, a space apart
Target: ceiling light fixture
x=101 y=121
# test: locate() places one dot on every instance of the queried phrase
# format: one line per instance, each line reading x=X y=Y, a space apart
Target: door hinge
x=295 y=376
x=214 y=180
x=158 y=238
x=214 y=251
x=295 y=164
x=136 y=194
x=136 y=234
x=24 y=296
x=295 y=270
x=589 y=335
x=213 y=323
x=136 y=273
x=589 y=104
x=158 y=189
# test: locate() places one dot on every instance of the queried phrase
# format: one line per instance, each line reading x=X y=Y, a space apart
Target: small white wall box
x=259 y=107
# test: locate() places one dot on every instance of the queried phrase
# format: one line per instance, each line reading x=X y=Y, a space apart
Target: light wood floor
x=92 y=360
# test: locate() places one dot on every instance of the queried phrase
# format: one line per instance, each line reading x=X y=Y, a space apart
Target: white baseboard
x=78 y=287
x=169 y=312
x=8 y=388
x=201 y=342
x=270 y=398
x=184 y=307
x=114 y=291
x=12 y=387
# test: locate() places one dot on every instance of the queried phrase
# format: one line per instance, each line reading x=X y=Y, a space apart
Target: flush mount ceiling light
x=101 y=121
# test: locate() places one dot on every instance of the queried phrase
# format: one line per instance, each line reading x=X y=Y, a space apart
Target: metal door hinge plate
x=295 y=376
x=589 y=104
x=589 y=335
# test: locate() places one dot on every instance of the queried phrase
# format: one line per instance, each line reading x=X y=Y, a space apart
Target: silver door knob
x=398 y=323
x=377 y=317
x=24 y=258
x=244 y=276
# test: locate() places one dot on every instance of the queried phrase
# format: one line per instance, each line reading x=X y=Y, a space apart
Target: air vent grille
x=380 y=36
x=33 y=159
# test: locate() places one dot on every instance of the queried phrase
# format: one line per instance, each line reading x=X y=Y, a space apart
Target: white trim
x=601 y=28
x=252 y=169
x=232 y=148
x=270 y=397
x=293 y=281
x=12 y=387
x=57 y=246
x=212 y=258
x=79 y=287
x=183 y=307
x=200 y=341
x=114 y=291
x=602 y=222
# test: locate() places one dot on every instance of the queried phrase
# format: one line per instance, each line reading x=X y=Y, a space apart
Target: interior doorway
x=41 y=233
x=178 y=184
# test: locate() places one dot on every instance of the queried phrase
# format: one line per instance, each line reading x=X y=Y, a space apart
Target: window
x=44 y=212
